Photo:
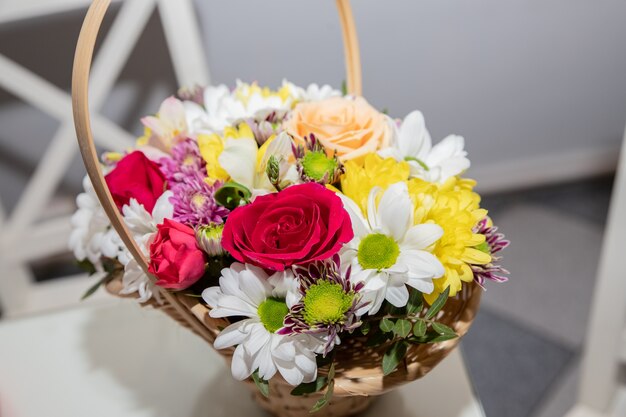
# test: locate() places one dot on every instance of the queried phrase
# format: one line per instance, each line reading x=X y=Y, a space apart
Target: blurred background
x=536 y=88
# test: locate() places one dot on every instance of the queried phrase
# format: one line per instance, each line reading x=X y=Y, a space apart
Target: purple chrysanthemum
x=194 y=201
x=329 y=303
x=185 y=161
x=494 y=243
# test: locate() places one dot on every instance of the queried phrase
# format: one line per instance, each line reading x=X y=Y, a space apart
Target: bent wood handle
x=80 y=103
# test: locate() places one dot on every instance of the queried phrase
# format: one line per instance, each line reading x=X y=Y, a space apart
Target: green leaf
x=311 y=387
x=331 y=372
x=443 y=338
x=442 y=329
x=323 y=402
x=365 y=328
x=86 y=266
x=402 y=328
x=231 y=194
x=386 y=325
x=419 y=329
x=261 y=384
x=438 y=304
x=415 y=303
x=91 y=291
x=393 y=356
x=111 y=265
x=344 y=88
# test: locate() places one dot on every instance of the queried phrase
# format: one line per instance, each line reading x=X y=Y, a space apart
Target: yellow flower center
x=198 y=200
x=326 y=302
x=272 y=313
x=378 y=251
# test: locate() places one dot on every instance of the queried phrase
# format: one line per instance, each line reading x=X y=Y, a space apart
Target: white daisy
x=214 y=116
x=388 y=252
x=248 y=291
x=143 y=227
x=412 y=143
x=313 y=92
x=91 y=234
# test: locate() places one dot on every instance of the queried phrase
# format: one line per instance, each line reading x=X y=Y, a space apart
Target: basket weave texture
x=358 y=372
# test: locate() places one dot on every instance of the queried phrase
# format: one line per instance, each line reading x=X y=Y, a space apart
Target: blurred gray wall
x=538 y=88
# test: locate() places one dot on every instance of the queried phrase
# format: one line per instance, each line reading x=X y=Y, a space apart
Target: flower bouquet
x=329 y=251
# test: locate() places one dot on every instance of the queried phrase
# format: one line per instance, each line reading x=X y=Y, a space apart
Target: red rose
x=175 y=258
x=135 y=176
x=300 y=224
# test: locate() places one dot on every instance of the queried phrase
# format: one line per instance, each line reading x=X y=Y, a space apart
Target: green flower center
x=378 y=251
x=326 y=302
x=484 y=247
x=316 y=165
x=272 y=313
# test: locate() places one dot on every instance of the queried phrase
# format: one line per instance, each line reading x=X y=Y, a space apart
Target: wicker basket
x=359 y=375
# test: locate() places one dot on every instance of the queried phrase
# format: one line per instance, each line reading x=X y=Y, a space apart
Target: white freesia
x=242 y=292
x=412 y=143
x=246 y=162
x=388 y=252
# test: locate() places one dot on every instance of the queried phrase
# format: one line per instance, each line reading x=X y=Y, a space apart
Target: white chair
x=600 y=392
x=20 y=241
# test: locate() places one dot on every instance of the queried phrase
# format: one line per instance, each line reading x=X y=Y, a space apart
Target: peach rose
x=351 y=127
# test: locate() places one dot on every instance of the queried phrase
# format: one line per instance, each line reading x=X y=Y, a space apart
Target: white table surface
x=119 y=360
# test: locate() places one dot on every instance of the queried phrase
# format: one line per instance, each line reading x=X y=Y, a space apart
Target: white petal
x=241 y=365
x=211 y=296
x=421 y=264
x=259 y=337
x=359 y=224
x=229 y=305
x=376 y=299
x=398 y=296
x=395 y=210
x=257 y=289
x=231 y=336
x=414 y=139
x=422 y=236
x=163 y=209
x=424 y=285
x=372 y=211
x=239 y=159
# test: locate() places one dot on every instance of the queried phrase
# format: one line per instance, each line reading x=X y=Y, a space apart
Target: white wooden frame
x=600 y=393
x=20 y=241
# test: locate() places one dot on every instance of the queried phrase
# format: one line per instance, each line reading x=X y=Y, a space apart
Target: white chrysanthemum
x=412 y=143
x=313 y=92
x=143 y=227
x=388 y=252
x=91 y=237
x=215 y=115
x=247 y=291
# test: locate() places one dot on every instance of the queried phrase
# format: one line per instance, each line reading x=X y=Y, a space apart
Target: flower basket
x=391 y=333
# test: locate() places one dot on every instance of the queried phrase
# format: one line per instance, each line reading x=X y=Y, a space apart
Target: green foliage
x=443 y=330
x=415 y=303
x=261 y=384
x=393 y=356
x=323 y=402
x=87 y=266
x=311 y=387
x=402 y=328
x=386 y=325
x=231 y=194
x=419 y=329
x=438 y=304
x=365 y=328
x=112 y=268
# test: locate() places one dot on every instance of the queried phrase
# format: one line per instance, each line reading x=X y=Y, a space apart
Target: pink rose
x=300 y=224
x=175 y=258
x=135 y=176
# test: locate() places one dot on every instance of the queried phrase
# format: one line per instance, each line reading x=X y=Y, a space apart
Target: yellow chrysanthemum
x=211 y=147
x=245 y=91
x=373 y=171
x=456 y=208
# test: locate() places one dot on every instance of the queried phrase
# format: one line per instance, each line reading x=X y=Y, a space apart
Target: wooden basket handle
x=82 y=121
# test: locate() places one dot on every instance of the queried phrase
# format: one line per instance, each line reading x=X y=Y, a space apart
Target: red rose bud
x=135 y=176
x=298 y=225
x=175 y=258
